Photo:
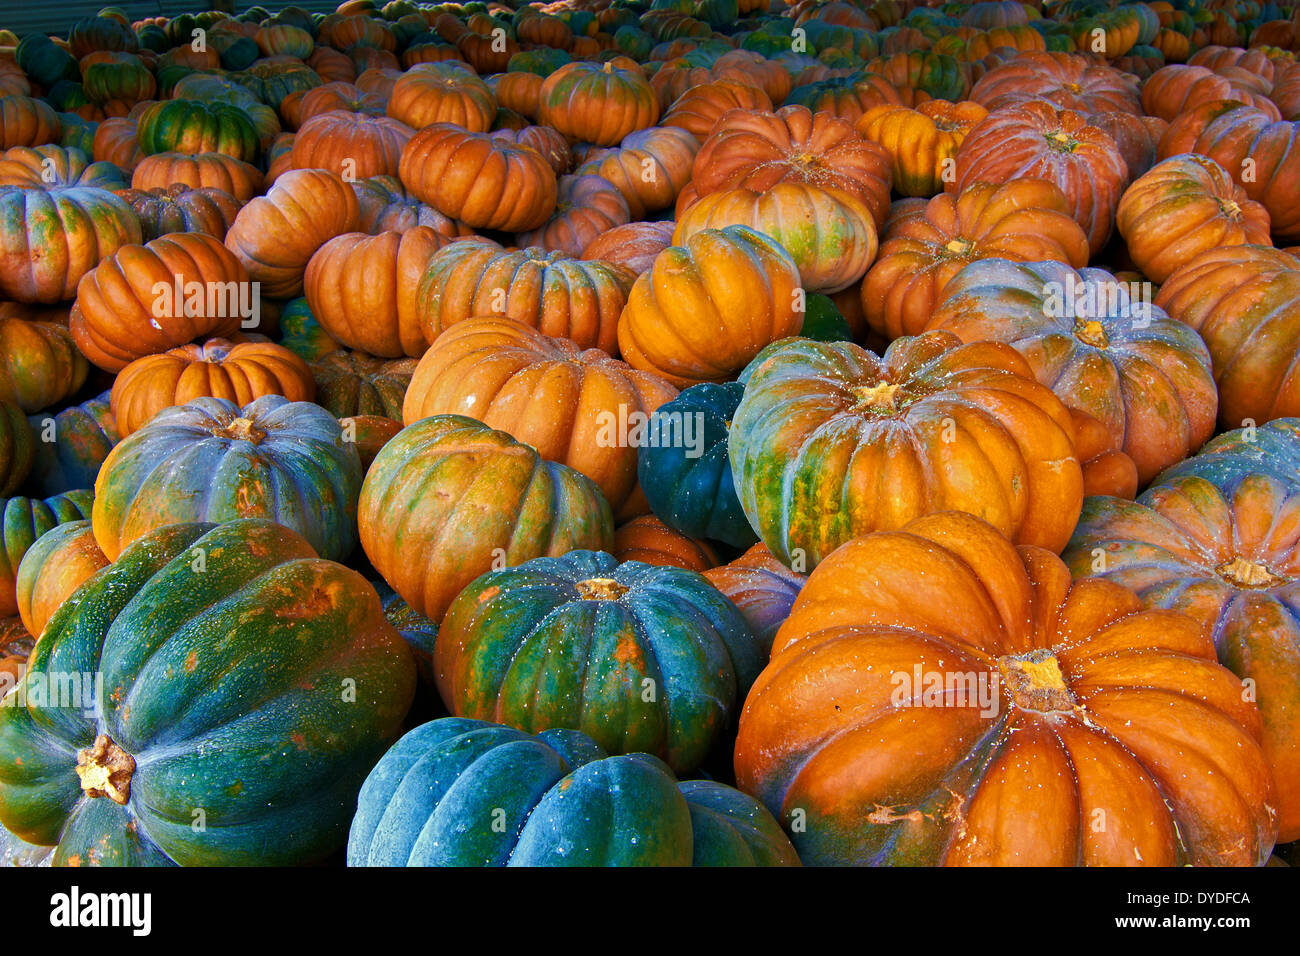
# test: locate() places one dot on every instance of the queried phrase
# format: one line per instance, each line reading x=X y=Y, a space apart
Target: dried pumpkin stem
x=105 y=770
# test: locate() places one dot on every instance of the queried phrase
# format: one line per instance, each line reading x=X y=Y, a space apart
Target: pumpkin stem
x=1230 y=209
x=105 y=770
x=600 y=589
x=1248 y=574
x=878 y=397
x=1091 y=332
x=959 y=246
x=242 y=429
x=1034 y=682
x=1061 y=141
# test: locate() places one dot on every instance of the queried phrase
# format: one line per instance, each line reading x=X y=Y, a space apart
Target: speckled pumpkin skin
x=22 y=522
x=80 y=439
x=276 y=780
x=559 y=800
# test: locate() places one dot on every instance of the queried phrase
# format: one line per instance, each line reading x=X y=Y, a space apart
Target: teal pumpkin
x=248 y=686
x=210 y=460
x=457 y=792
x=72 y=445
x=22 y=521
x=418 y=631
x=302 y=334
x=17 y=448
x=543 y=61
x=689 y=485
x=823 y=321
x=639 y=658
x=45 y=61
x=195 y=126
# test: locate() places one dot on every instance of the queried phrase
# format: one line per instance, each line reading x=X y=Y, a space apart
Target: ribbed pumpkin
x=1024 y=220
x=697 y=109
x=921 y=142
x=1101 y=348
x=333 y=96
x=16 y=448
x=846 y=97
x=23 y=521
x=71 y=228
x=831 y=442
x=565 y=803
x=757 y=150
x=450 y=92
x=598 y=103
x=211 y=459
x=710 y=304
x=484 y=182
x=549 y=142
x=647 y=539
x=114 y=142
x=386 y=206
x=275 y=235
x=762 y=588
x=362 y=289
x=586 y=207
x=1182 y=207
x=72 y=446
x=1175 y=89
x=241 y=728
x=56 y=564
x=930 y=678
x=642 y=659
x=194 y=126
x=146 y=299
x=449 y=499
x=1138 y=137
x=569 y=403
x=518 y=91
x=352 y=383
x=830 y=234
x=683 y=466
x=558 y=296
x=26 y=122
x=1066 y=80
x=44 y=166
x=351 y=144
x=179 y=208
x=650 y=167
x=39 y=364
x=1244 y=301
x=206 y=170
x=215 y=369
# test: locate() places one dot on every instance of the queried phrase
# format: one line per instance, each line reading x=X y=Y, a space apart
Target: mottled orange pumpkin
x=56 y=564
x=586 y=206
x=633 y=246
x=386 y=206
x=549 y=142
x=650 y=167
x=1066 y=80
x=179 y=208
x=699 y=108
x=27 y=122
x=442 y=93
x=40 y=366
x=598 y=103
x=921 y=143
x=650 y=541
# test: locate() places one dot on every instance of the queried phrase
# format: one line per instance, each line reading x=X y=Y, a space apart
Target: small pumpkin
x=351 y=144
x=386 y=206
x=39 y=364
x=697 y=109
x=16 y=448
x=23 y=522
x=632 y=246
x=350 y=383
x=762 y=588
x=650 y=167
x=54 y=566
x=648 y=540
x=179 y=208
x=196 y=126
x=44 y=166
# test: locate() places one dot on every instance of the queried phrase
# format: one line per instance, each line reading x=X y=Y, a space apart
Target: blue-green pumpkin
x=248 y=687
x=456 y=792
x=688 y=484
x=72 y=445
x=640 y=658
x=418 y=631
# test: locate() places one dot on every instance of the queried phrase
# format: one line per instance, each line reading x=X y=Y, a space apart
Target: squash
x=762 y=588
x=353 y=145
x=632 y=246
x=195 y=126
x=550 y=143
x=575 y=406
x=565 y=803
x=1066 y=80
x=44 y=166
x=211 y=459
x=243 y=728
x=354 y=383
x=450 y=92
x=72 y=446
x=55 y=565
x=22 y=523
x=831 y=442
x=598 y=103
x=648 y=540
x=178 y=208
x=932 y=677
x=204 y=171
x=649 y=167
x=586 y=207
x=921 y=142
x=449 y=499
x=641 y=659
x=697 y=109
x=27 y=122
x=39 y=364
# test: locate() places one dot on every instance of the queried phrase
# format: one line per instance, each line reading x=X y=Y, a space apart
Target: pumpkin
x=709 y=305
x=449 y=499
x=550 y=143
x=586 y=207
x=72 y=446
x=386 y=206
x=45 y=166
x=1175 y=89
x=369 y=433
x=302 y=334
x=830 y=234
x=23 y=521
x=598 y=103
x=1024 y=220
x=518 y=91
x=650 y=167
x=577 y=641
x=117 y=78
x=698 y=109
x=16 y=448
x=648 y=540
x=1221 y=547
x=1034 y=139
x=921 y=143
x=558 y=296
x=756 y=150
x=362 y=289
x=215 y=369
x=146 y=299
x=484 y=182
x=195 y=126
x=831 y=442
x=39 y=364
x=113 y=141
x=448 y=92
x=1244 y=302
x=337 y=96
x=683 y=466
x=566 y=803
x=27 y=122
x=211 y=459
x=930 y=678
x=275 y=235
x=1137 y=137
x=1182 y=207
x=632 y=246
x=72 y=228
x=284 y=38
x=847 y=98
x=352 y=383
x=1101 y=348
x=123 y=787
x=351 y=144
x=1066 y=80
x=54 y=566
x=178 y=208
x=206 y=170
x=762 y=588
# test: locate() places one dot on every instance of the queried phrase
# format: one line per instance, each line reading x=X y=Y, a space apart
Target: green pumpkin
x=45 y=61
x=79 y=134
x=236 y=52
x=248 y=686
x=688 y=484
x=123 y=77
x=72 y=445
x=17 y=448
x=640 y=658
x=210 y=460
x=457 y=792
x=22 y=522
x=543 y=61
x=195 y=126
x=152 y=37
x=420 y=633
x=101 y=33
x=823 y=321
x=303 y=335
x=353 y=383
x=632 y=41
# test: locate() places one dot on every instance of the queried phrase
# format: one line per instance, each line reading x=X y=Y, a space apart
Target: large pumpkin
x=1099 y=346
x=442 y=93
x=598 y=103
x=57 y=563
x=940 y=697
x=45 y=166
x=213 y=460
x=27 y=122
x=697 y=109
x=23 y=521
x=204 y=171
x=449 y=499
x=1024 y=220
x=562 y=802
x=639 y=658
x=709 y=305
x=299 y=697
x=351 y=144
x=195 y=126
x=831 y=442
x=39 y=365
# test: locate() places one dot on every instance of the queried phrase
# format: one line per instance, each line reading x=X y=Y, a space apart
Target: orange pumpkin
x=386 y=206
x=57 y=563
x=549 y=142
x=353 y=145
x=650 y=167
x=39 y=365
x=1173 y=90
x=598 y=103
x=1066 y=80
x=27 y=122
x=762 y=588
x=204 y=171
x=442 y=93
x=921 y=143
x=650 y=541
x=700 y=107
x=182 y=209
x=1138 y=137
x=114 y=142
x=633 y=246
x=518 y=91
x=586 y=207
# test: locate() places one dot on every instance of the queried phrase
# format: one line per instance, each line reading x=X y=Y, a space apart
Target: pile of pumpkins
x=652 y=432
